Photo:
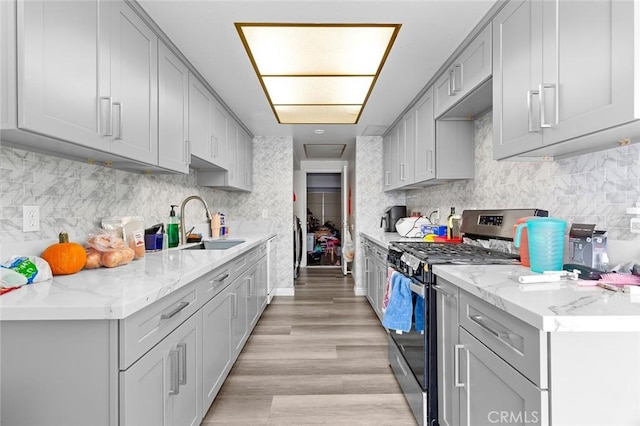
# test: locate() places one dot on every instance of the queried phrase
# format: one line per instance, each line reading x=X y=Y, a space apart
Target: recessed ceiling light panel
x=330 y=65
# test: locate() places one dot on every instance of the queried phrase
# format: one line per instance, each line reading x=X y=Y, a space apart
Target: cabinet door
x=241 y=162
x=252 y=277
x=406 y=145
x=447 y=335
x=216 y=346
x=381 y=271
x=63 y=70
x=162 y=387
x=470 y=68
x=219 y=120
x=173 y=111
x=386 y=162
x=232 y=153
x=263 y=290
x=390 y=159
x=517 y=74
x=425 y=143
x=248 y=167
x=368 y=277
x=492 y=390
x=134 y=85
x=201 y=136
x=239 y=323
x=588 y=76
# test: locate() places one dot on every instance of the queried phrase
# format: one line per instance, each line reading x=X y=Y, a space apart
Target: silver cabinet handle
x=182 y=361
x=530 y=94
x=457 y=71
x=450 y=83
x=221 y=278
x=432 y=159
x=456 y=366
x=109 y=131
x=403 y=171
x=213 y=151
x=251 y=289
x=119 y=105
x=543 y=86
x=174 y=311
x=479 y=319
x=235 y=306
x=386 y=178
x=174 y=385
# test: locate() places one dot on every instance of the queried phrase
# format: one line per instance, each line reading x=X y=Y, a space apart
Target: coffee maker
x=391 y=216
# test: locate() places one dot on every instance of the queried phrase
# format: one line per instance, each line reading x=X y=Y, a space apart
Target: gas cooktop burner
x=434 y=253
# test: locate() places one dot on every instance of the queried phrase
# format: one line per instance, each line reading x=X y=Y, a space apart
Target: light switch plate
x=635 y=225
x=30 y=218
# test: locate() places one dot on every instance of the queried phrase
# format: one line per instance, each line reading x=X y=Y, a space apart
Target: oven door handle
x=418 y=289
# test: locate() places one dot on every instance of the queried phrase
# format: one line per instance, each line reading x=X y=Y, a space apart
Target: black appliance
x=297 y=246
x=414 y=260
x=392 y=215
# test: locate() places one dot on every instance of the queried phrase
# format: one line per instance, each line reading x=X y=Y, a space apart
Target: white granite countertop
x=115 y=293
x=552 y=307
x=384 y=238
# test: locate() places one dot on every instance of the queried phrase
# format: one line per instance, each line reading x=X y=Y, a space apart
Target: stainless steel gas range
x=487 y=239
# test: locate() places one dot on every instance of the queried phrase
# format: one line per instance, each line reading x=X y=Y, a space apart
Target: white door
x=345 y=214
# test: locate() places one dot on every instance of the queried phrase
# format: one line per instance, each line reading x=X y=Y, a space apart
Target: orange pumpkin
x=64 y=257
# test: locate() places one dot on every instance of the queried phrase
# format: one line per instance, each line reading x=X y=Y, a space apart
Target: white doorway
x=334 y=190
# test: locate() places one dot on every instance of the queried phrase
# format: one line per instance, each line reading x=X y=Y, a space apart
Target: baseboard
x=359 y=291
x=288 y=291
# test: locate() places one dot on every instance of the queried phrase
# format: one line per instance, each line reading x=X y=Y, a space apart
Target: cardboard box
x=588 y=246
x=438 y=230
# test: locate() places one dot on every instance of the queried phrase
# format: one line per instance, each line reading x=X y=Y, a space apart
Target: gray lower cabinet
x=448 y=359
x=492 y=390
x=375 y=274
x=163 y=365
x=162 y=388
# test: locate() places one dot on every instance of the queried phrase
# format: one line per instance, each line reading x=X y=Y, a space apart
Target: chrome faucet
x=183 y=234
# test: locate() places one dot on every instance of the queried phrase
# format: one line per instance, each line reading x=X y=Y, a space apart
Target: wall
x=371 y=201
x=75 y=197
x=590 y=188
x=273 y=193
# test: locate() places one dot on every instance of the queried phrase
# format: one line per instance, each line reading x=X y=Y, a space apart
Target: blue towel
x=418 y=313
x=400 y=309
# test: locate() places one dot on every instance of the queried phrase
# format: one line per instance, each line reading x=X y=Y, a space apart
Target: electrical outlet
x=635 y=225
x=265 y=213
x=30 y=218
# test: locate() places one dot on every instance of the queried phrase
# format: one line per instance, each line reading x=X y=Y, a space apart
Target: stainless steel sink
x=215 y=245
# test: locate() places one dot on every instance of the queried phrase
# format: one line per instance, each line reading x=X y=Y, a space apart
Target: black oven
x=413 y=354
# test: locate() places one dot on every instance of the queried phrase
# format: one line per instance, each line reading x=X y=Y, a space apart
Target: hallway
x=317 y=358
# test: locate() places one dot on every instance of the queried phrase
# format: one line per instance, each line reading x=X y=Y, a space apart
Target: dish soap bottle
x=173 y=231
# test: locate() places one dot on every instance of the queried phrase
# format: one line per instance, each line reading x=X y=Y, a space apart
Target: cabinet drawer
x=216 y=281
x=144 y=329
x=521 y=345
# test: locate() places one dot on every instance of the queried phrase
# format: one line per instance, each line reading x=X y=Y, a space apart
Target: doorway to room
x=324 y=219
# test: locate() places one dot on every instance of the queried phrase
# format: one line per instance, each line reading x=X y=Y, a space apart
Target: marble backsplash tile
x=590 y=188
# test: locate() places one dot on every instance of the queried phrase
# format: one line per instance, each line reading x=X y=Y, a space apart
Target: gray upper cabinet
x=425 y=148
x=173 y=112
x=468 y=70
x=134 y=85
x=406 y=148
x=62 y=74
x=558 y=78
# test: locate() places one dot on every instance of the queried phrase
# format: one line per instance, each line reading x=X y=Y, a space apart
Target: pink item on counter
x=387 y=289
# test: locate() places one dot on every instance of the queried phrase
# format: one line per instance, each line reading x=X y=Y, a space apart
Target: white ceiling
x=431 y=30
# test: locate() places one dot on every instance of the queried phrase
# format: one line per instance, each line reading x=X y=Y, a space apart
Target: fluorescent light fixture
x=317 y=73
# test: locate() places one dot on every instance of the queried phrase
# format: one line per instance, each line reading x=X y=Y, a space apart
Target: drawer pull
x=175 y=311
x=221 y=278
x=174 y=385
x=444 y=292
x=182 y=361
x=478 y=319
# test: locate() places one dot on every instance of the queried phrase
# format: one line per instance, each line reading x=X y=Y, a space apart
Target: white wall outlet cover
x=635 y=225
x=30 y=218
x=265 y=213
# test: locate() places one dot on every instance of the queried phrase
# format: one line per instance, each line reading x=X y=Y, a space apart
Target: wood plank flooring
x=319 y=357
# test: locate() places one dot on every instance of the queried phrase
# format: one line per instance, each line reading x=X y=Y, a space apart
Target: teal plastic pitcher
x=546 y=242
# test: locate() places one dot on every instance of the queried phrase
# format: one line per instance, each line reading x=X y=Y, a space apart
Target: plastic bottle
x=215 y=225
x=173 y=231
x=450 y=223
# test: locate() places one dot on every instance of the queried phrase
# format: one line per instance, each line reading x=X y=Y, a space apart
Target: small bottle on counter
x=173 y=231
x=450 y=224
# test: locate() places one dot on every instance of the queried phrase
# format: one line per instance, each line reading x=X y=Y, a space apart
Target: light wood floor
x=319 y=357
